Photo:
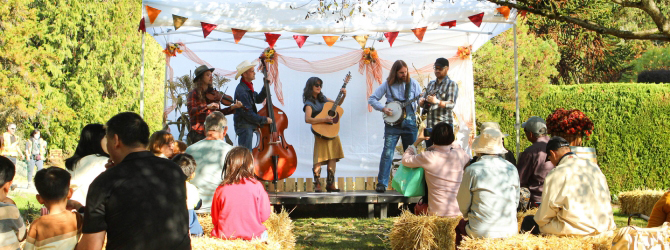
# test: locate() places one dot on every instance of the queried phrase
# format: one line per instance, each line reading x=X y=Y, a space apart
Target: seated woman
x=661 y=212
x=443 y=167
x=240 y=204
x=88 y=160
x=161 y=143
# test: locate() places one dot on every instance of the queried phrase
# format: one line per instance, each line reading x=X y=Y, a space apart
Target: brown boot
x=330 y=182
x=317 y=185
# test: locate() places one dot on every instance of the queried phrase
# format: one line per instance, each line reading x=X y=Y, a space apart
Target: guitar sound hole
x=331 y=113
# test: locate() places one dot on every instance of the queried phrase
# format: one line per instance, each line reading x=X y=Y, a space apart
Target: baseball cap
x=441 y=62
x=535 y=124
x=555 y=143
x=493 y=125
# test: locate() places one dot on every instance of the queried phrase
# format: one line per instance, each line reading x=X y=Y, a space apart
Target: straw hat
x=489 y=141
x=493 y=125
x=243 y=67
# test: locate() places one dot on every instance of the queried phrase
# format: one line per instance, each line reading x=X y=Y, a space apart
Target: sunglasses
x=318 y=85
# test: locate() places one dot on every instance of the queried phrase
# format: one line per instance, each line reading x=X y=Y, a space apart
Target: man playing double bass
x=247 y=121
x=441 y=105
x=199 y=106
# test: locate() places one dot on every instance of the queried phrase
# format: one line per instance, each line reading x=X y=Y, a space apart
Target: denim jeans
x=245 y=137
x=31 y=166
x=193 y=223
x=407 y=131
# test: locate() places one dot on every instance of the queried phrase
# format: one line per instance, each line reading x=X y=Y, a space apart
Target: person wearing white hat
x=489 y=191
x=246 y=121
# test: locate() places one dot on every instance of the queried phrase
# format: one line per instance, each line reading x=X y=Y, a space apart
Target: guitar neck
x=268 y=97
x=404 y=104
x=341 y=94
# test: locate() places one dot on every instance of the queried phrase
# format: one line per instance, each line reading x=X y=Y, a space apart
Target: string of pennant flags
x=271 y=38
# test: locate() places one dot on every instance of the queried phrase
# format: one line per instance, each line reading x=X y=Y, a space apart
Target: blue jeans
x=31 y=166
x=194 y=224
x=407 y=131
x=245 y=137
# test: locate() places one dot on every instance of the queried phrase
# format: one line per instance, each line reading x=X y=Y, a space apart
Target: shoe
x=330 y=182
x=317 y=186
x=331 y=188
x=380 y=188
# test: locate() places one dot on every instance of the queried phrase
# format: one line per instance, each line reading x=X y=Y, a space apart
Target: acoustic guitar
x=332 y=109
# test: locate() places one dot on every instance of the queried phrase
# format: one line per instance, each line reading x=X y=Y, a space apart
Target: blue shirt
x=248 y=118
x=395 y=92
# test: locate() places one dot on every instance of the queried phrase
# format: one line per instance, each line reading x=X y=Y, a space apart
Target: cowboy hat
x=490 y=141
x=201 y=70
x=493 y=125
x=243 y=67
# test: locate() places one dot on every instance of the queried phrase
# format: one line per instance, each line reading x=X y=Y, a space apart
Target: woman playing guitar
x=326 y=152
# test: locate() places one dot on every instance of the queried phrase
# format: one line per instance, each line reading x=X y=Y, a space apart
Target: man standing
x=36 y=152
x=533 y=166
x=246 y=121
x=210 y=155
x=576 y=199
x=443 y=101
x=199 y=106
x=11 y=148
x=140 y=201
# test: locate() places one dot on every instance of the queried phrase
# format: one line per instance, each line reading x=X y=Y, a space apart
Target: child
x=179 y=147
x=61 y=228
x=240 y=204
x=187 y=164
x=12 y=228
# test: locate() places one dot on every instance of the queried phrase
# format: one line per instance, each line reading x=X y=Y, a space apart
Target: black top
x=141 y=203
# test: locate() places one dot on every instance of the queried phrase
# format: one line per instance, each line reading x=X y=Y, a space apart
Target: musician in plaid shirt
x=441 y=104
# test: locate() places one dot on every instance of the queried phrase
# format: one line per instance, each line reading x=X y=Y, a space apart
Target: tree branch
x=649 y=6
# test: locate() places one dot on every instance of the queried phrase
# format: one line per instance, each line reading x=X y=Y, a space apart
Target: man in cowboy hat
x=246 y=121
x=198 y=105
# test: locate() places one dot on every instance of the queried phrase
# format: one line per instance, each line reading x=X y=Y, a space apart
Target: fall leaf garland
x=571 y=122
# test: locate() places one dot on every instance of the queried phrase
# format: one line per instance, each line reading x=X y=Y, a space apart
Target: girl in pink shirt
x=240 y=204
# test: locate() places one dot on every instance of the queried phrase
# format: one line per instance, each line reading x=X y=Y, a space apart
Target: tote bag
x=409 y=181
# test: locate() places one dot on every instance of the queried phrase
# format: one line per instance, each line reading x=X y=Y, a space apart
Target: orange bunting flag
x=238 y=34
x=330 y=40
x=477 y=19
x=143 y=26
x=153 y=13
x=362 y=40
x=271 y=39
x=504 y=11
x=419 y=32
x=451 y=24
x=178 y=21
x=207 y=28
x=300 y=40
x=391 y=37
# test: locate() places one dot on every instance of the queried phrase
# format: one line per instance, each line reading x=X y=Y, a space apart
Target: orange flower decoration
x=369 y=55
x=464 y=52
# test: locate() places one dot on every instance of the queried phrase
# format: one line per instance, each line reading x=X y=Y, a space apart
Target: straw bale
x=280 y=235
x=521 y=215
x=639 y=201
x=547 y=242
x=423 y=232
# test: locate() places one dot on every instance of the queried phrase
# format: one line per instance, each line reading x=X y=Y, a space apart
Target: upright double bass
x=275 y=159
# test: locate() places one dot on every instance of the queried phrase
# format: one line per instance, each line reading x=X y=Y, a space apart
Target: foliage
x=572 y=122
x=70 y=63
x=655 y=58
x=494 y=71
x=631 y=128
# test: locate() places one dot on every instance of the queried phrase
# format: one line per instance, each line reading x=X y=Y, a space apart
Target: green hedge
x=631 y=134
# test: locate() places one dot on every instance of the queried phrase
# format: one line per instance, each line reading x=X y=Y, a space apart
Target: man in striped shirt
x=441 y=104
x=12 y=227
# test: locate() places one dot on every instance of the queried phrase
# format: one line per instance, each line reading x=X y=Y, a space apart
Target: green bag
x=409 y=181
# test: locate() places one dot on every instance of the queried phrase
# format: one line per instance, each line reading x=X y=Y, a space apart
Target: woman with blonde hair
x=161 y=144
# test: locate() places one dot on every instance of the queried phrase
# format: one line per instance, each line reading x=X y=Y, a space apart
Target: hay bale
x=529 y=241
x=423 y=232
x=280 y=235
x=521 y=215
x=639 y=201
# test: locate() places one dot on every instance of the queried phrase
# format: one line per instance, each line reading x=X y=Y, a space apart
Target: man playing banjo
x=399 y=116
x=440 y=105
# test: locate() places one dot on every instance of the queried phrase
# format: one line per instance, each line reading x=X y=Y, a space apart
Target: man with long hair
x=397 y=87
x=440 y=105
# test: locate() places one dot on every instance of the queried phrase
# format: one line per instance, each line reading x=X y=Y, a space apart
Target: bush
x=631 y=134
x=654 y=59
x=654 y=76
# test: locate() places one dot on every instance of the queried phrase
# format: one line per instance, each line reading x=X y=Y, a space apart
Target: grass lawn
x=27 y=204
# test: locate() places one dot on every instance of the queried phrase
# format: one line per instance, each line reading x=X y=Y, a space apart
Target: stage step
x=307 y=185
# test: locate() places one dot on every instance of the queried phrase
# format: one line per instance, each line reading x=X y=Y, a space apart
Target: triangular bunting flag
x=238 y=34
x=330 y=40
x=178 y=21
x=207 y=28
x=153 y=13
x=391 y=37
x=143 y=26
x=300 y=40
x=451 y=24
x=477 y=19
x=504 y=11
x=419 y=32
x=523 y=13
x=271 y=39
x=362 y=40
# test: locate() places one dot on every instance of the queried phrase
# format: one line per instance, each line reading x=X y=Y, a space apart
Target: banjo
x=398 y=109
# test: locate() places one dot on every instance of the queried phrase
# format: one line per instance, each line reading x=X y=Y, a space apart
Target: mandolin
x=331 y=109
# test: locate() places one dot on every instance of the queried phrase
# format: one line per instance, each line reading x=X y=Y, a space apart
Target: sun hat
x=243 y=67
x=489 y=141
x=535 y=124
x=201 y=70
x=493 y=125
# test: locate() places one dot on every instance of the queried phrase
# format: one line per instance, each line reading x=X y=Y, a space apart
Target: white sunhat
x=243 y=67
x=489 y=141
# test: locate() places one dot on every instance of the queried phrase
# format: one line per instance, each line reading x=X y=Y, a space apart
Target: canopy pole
x=142 y=80
x=165 y=91
x=517 y=126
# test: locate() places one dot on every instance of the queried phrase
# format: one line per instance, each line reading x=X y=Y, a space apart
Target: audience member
x=10 y=147
x=161 y=143
x=193 y=201
x=533 y=165
x=88 y=160
x=661 y=212
x=240 y=204
x=576 y=198
x=210 y=156
x=36 y=152
x=140 y=201
x=489 y=192
x=179 y=147
x=12 y=227
x=61 y=228
x=509 y=156
x=443 y=167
